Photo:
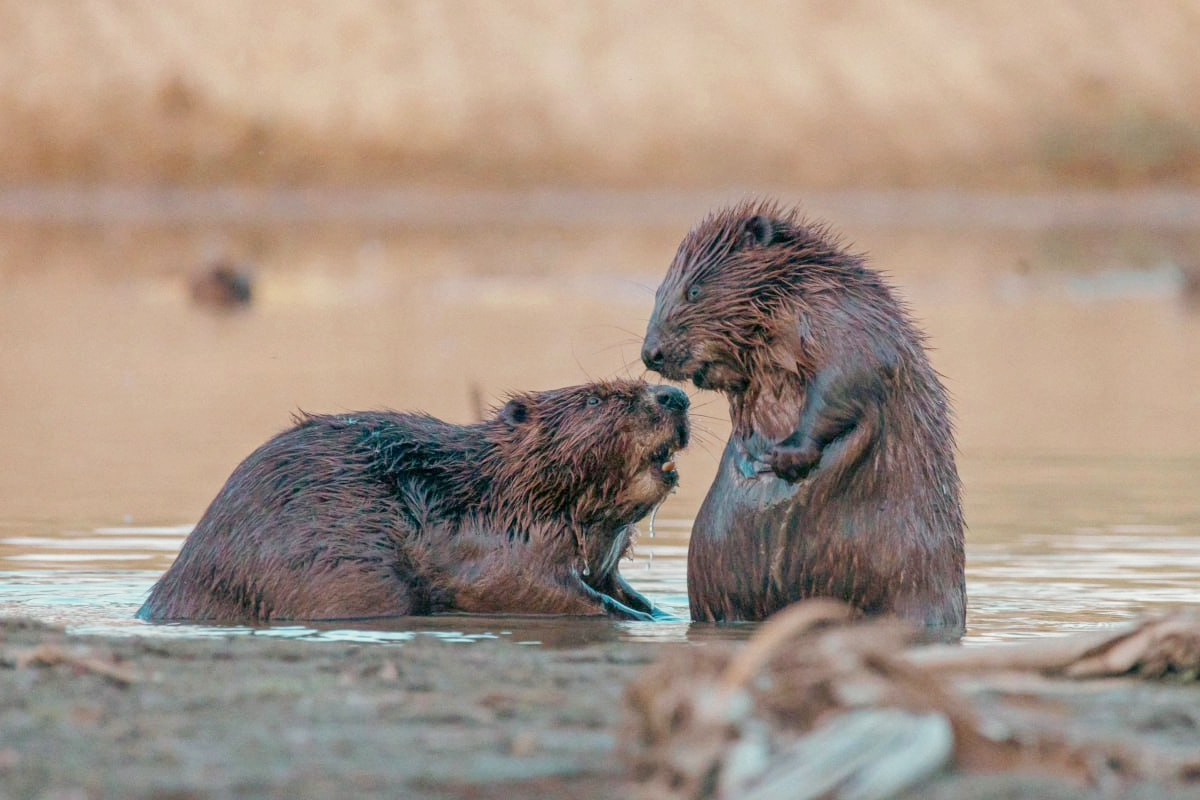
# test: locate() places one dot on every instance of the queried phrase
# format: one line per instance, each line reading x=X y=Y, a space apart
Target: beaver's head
x=601 y=452
x=735 y=292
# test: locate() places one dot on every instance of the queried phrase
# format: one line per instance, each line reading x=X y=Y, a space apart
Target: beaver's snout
x=661 y=350
x=669 y=406
x=667 y=360
x=671 y=398
x=652 y=354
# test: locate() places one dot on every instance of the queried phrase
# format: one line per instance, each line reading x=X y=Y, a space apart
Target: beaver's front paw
x=793 y=464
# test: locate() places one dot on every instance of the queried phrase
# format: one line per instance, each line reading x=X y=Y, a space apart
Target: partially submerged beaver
x=838 y=478
x=386 y=514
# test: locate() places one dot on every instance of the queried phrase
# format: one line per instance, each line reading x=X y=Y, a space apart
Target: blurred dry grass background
x=852 y=93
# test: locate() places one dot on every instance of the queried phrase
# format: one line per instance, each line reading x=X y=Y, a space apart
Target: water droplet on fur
x=587 y=570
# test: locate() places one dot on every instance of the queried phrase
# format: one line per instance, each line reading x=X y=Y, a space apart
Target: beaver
x=839 y=477
x=383 y=513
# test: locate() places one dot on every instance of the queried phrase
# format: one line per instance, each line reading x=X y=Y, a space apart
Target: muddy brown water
x=1062 y=324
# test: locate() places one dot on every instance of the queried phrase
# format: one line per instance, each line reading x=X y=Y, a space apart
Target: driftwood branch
x=1153 y=647
x=818 y=705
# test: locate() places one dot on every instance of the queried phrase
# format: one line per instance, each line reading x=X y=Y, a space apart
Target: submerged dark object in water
x=223 y=284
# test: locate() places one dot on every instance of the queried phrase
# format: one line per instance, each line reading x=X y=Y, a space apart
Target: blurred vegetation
x=820 y=93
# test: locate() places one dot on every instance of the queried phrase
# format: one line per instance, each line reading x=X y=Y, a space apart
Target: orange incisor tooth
x=668 y=466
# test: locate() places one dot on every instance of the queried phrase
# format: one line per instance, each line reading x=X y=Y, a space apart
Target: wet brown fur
x=385 y=514
x=839 y=476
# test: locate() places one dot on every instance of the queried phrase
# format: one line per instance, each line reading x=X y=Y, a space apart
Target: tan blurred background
x=820 y=94
x=436 y=202
x=441 y=201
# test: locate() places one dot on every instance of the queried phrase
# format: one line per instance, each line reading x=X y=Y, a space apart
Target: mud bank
x=255 y=717
x=153 y=717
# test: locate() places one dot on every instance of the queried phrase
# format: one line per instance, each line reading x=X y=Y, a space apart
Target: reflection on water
x=1071 y=351
x=93 y=581
x=1055 y=545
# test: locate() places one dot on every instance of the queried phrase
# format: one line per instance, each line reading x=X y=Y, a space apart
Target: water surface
x=1067 y=338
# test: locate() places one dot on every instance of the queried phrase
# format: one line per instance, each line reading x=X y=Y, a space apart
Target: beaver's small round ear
x=514 y=412
x=759 y=230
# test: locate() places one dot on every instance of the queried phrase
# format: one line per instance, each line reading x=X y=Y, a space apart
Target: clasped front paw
x=793 y=464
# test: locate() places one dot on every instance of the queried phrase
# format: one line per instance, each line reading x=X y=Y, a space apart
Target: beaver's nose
x=670 y=397
x=652 y=357
x=652 y=354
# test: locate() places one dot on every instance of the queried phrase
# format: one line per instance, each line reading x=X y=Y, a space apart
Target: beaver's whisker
x=695 y=414
x=635 y=336
x=614 y=346
x=637 y=285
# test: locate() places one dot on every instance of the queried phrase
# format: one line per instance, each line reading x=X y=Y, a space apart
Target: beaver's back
x=306 y=527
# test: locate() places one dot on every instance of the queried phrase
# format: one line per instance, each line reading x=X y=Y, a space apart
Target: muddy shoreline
x=261 y=717
x=143 y=717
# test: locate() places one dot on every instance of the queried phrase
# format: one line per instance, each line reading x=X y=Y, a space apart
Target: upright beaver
x=385 y=514
x=838 y=478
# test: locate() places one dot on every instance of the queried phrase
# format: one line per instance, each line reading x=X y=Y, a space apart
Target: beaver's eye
x=593 y=400
x=693 y=292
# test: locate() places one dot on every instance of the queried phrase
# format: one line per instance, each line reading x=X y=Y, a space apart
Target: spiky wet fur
x=779 y=305
x=384 y=513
